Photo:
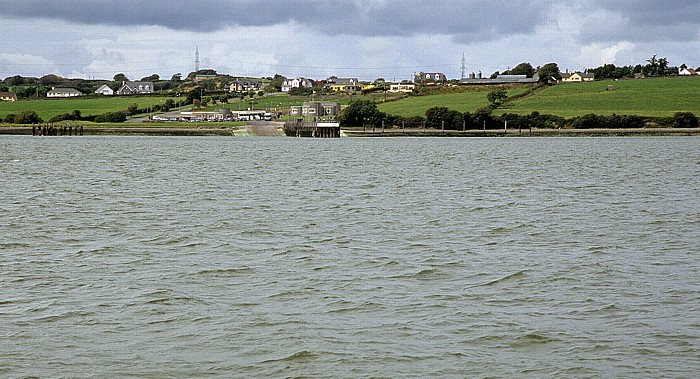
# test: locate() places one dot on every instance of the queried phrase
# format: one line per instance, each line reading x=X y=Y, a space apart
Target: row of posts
x=57 y=130
x=464 y=127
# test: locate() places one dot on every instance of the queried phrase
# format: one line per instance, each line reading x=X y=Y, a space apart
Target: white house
x=134 y=88
x=63 y=92
x=105 y=90
x=688 y=72
x=403 y=87
x=288 y=84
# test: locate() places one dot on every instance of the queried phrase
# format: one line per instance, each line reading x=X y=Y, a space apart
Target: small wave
x=225 y=271
x=531 y=339
x=65 y=315
x=298 y=356
x=514 y=275
x=166 y=300
x=427 y=273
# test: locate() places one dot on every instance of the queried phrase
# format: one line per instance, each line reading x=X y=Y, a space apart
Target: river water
x=280 y=257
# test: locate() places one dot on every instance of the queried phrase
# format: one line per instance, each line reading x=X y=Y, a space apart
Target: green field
x=461 y=101
x=659 y=97
x=88 y=106
x=286 y=101
x=645 y=97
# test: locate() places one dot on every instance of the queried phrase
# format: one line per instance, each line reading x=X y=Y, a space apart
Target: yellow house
x=577 y=77
x=8 y=96
x=343 y=84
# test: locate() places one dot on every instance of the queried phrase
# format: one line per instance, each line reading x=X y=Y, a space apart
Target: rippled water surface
x=277 y=257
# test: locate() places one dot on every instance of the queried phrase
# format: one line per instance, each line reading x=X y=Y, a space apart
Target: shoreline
x=378 y=132
x=646 y=132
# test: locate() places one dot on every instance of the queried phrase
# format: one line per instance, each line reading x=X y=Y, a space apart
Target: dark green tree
x=151 y=78
x=16 y=80
x=685 y=120
x=361 y=113
x=120 y=78
x=435 y=116
x=522 y=69
x=275 y=84
x=497 y=96
x=27 y=117
x=50 y=79
x=548 y=72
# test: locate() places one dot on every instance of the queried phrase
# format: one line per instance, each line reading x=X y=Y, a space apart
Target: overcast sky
x=320 y=38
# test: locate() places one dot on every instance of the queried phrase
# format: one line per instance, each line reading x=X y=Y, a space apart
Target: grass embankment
x=466 y=100
x=88 y=106
x=654 y=97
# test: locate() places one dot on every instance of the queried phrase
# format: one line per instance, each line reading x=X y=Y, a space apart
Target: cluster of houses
x=127 y=88
x=345 y=85
x=335 y=84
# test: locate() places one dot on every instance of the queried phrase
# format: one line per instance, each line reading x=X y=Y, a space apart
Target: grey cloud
x=474 y=19
x=464 y=20
x=644 y=21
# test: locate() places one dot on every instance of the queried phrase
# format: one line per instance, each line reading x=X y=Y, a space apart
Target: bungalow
x=135 y=88
x=288 y=84
x=567 y=77
x=63 y=92
x=105 y=90
x=245 y=85
x=403 y=87
x=343 y=84
x=8 y=96
x=688 y=72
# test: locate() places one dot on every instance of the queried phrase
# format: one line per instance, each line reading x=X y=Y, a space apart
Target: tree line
x=364 y=113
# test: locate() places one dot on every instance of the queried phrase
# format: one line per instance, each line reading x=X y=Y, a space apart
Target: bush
x=111 y=117
x=685 y=120
x=75 y=116
x=28 y=117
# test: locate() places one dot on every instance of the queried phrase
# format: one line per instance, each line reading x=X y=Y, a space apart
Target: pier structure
x=313 y=129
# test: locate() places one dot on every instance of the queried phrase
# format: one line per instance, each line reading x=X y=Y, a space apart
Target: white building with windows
x=135 y=88
x=288 y=84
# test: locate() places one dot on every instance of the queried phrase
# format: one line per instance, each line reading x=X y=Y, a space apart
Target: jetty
x=313 y=129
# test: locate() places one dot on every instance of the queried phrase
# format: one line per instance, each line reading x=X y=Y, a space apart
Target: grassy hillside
x=643 y=97
x=47 y=108
x=468 y=101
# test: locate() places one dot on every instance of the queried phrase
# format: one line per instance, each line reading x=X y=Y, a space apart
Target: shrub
x=685 y=120
x=27 y=117
x=111 y=117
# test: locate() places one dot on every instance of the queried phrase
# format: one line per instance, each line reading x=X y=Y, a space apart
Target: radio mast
x=196 y=60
